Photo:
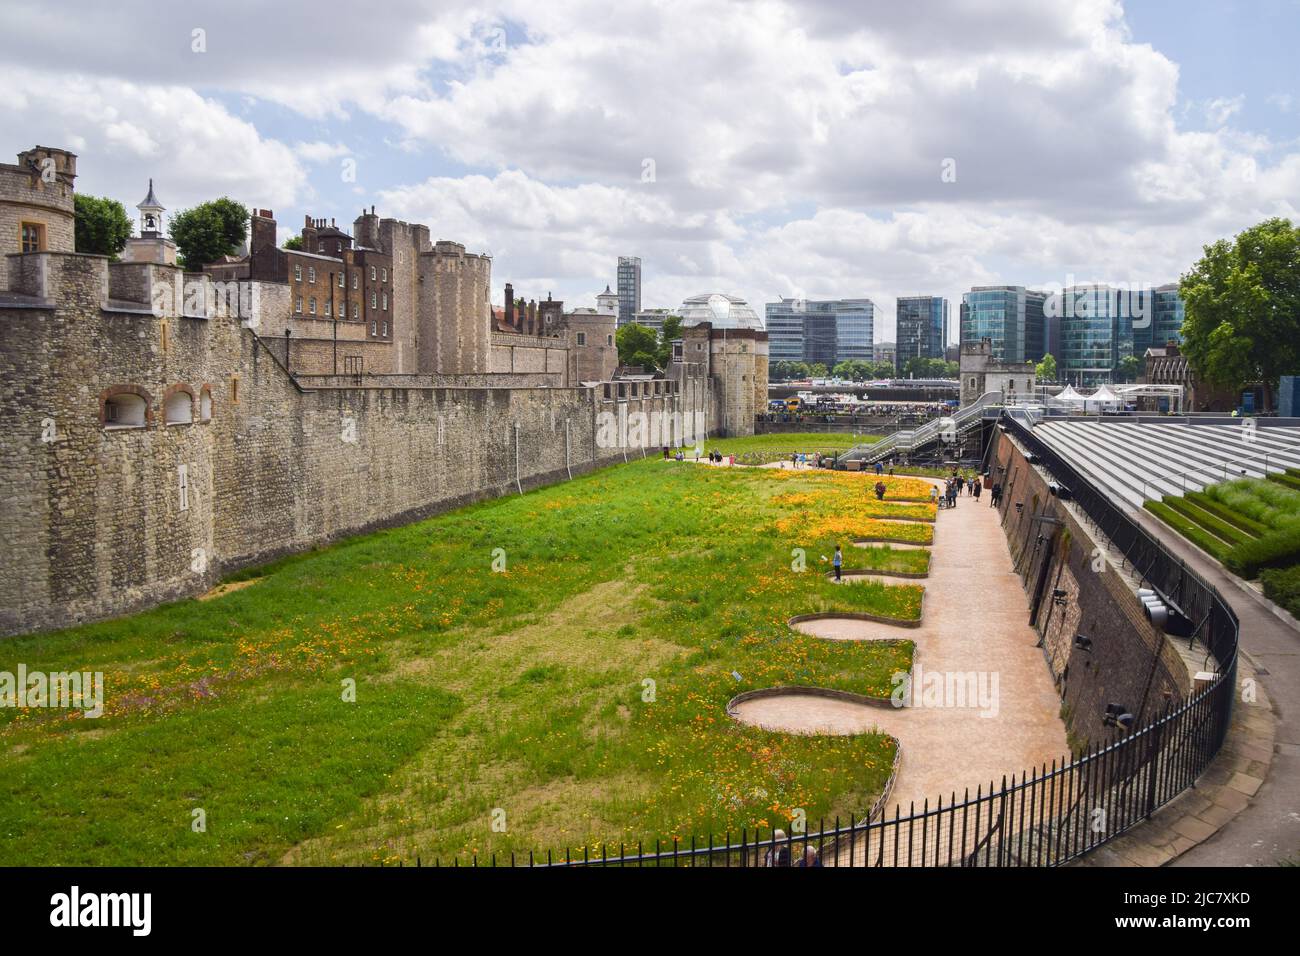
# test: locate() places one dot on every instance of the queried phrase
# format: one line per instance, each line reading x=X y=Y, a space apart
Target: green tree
x=817 y=370
x=293 y=242
x=1242 y=301
x=855 y=370
x=637 y=345
x=672 y=330
x=102 y=225
x=209 y=231
x=1045 y=371
x=1129 y=368
x=921 y=367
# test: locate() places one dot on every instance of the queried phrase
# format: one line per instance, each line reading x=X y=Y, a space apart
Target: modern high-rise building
x=1096 y=331
x=921 y=328
x=629 y=288
x=826 y=331
x=1165 y=320
x=1011 y=317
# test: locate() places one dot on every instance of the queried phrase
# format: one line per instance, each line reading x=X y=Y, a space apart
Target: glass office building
x=922 y=328
x=1096 y=332
x=1011 y=317
x=1166 y=319
x=784 y=321
x=629 y=289
x=826 y=331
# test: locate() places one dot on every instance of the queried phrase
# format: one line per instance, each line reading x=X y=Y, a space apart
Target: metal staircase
x=946 y=429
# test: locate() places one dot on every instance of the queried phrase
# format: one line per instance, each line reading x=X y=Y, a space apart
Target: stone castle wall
x=94 y=519
x=38 y=188
x=453 y=297
x=1130 y=663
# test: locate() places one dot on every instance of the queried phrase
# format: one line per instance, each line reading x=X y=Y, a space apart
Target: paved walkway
x=975 y=620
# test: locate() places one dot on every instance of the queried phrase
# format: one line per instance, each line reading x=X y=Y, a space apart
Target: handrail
x=923 y=433
x=1221 y=466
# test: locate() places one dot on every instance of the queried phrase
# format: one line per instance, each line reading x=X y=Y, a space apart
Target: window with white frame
x=297 y=272
x=311 y=274
x=297 y=306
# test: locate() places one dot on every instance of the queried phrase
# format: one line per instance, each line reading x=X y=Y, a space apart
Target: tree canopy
x=637 y=345
x=1242 y=301
x=102 y=225
x=209 y=231
x=922 y=367
x=672 y=330
x=1045 y=371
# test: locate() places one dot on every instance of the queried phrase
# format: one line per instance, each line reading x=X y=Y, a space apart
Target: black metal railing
x=1046 y=816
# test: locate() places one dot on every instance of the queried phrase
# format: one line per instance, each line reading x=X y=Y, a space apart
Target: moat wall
x=1129 y=662
x=99 y=521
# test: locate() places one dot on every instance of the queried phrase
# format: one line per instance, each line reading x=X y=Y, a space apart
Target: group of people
x=799 y=459
x=781 y=850
x=953 y=486
x=868 y=413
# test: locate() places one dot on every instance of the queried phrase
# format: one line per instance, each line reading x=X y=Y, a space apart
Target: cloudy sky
x=767 y=149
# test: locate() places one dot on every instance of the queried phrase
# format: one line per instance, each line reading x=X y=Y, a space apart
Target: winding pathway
x=975 y=621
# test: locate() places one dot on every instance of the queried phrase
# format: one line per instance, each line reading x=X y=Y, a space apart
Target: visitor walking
x=837 y=561
x=880 y=491
x=880 y=469
x=976 y=488
x=995 y=494
x=934 y=495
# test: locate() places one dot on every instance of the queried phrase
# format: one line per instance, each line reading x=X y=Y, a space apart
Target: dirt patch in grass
x=223 y=589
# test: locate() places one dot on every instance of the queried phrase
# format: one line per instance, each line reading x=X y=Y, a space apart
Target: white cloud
x=321 y=152
x=127 y=132
x=798 y=144
x=1222 y=108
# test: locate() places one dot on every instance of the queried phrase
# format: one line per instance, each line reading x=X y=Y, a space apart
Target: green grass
x=1250 y=525
x=1287 y=481
x=524 y=691
x=884 y=558
x=1235 y=518
x=1283 y=586
x=1189 y=529
x=761 y=449
x=1210 y=522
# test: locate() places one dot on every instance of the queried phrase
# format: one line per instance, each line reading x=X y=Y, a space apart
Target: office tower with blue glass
x=921 y=327
x=825 y=332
